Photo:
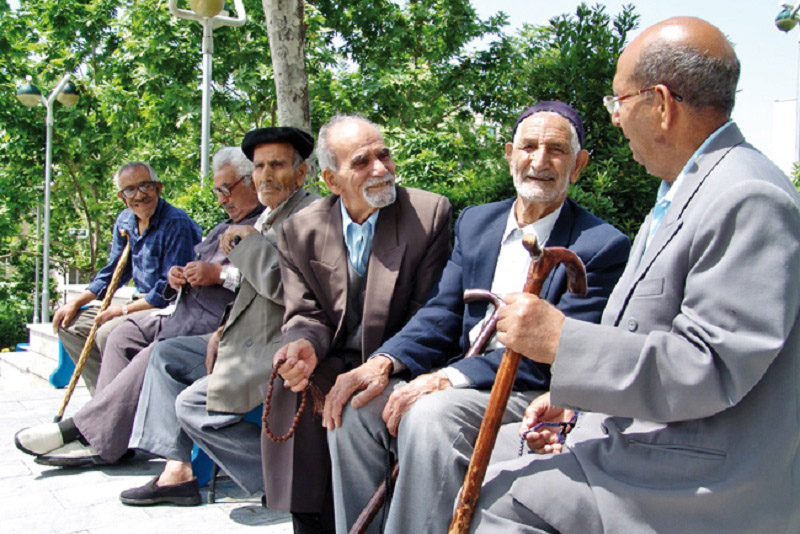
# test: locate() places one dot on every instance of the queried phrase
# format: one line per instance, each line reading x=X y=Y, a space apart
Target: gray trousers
x=172 y=414
x=73 y=337
x=434 y=445
x=106 y=420
x=529 y=495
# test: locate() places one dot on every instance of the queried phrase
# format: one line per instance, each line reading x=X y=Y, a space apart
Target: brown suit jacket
x=410 y=248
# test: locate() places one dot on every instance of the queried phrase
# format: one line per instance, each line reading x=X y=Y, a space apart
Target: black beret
x=302 y=142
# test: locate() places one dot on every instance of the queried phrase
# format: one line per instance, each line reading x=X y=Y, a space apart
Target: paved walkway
x=36 y=499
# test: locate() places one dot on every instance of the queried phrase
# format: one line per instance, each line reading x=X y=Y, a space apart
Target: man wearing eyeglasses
x=687 y=392
x=161 y=236
x=99 y=431
x=184 y=401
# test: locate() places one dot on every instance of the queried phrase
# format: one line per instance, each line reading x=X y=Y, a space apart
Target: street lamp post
x=206 y=12
x=29 y=95
x=786 y=20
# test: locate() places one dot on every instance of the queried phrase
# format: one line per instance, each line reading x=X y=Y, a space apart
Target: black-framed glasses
x=226 y=190
x=612 y=102
x=144 y=187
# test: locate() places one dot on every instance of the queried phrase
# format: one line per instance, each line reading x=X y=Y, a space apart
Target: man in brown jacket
x=356 y=266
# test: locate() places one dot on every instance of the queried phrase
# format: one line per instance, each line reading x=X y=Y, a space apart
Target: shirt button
x=633 y=325
x=248 y=343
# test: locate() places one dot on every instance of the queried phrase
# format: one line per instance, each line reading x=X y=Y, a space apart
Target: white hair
x=131 y=165
x=233 y=156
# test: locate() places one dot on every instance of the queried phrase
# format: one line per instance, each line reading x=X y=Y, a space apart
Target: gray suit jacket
x=252 y=331
x=697 y=358
x=409 y=250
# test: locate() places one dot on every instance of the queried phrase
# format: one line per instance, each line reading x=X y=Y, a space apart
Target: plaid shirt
x=168 y=241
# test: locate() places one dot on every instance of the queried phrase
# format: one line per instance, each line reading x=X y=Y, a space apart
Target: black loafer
x=183 y=494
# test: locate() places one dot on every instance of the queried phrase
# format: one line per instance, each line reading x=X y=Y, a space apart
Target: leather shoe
x=183 y=494
x=39 y=439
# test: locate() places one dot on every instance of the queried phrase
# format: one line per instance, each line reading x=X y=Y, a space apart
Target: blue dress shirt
x=168 y=240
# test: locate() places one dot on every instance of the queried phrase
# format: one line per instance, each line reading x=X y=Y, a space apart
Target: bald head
x=691 y=57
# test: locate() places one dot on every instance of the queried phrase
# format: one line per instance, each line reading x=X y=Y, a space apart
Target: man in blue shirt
x=99 y=432
x=161 y=236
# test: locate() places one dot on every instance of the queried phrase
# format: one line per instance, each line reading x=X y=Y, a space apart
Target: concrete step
x=43 y=341
x=26 y=370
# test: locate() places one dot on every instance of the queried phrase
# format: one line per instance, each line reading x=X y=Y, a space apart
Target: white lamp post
x=206 y=12
x=785 y=21
x=29 y=95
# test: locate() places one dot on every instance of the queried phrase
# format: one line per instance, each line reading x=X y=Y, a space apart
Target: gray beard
x=383 y=198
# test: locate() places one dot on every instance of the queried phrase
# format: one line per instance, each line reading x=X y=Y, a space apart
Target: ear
x=122 y=198
x=159 y=188
x=667 y=106
x=509 y=150
x=580 y=163
x=300 y=174
x=330 y=180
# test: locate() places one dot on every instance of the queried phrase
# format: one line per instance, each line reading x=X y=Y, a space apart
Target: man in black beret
x=212 y=381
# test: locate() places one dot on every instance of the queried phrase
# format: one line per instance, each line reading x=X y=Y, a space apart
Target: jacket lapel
x=672 y=221
x=561 y=236
x=331 y=267
x=384 y=268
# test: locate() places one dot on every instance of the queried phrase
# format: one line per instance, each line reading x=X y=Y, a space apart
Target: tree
x=287 y=42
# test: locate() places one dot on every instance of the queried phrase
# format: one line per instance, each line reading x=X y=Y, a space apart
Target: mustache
x=266 y=187
x=541 y=175
x=378 y=180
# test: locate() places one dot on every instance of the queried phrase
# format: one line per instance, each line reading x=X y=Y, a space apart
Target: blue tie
x=658 y=215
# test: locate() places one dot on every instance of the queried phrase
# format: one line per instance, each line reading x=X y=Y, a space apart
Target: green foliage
x=411 y=66
x=201 y=205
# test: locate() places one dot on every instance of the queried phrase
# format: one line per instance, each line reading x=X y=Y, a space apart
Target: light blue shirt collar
x=666 y=191
x=358 y=239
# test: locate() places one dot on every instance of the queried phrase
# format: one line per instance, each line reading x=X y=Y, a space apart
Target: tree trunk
x=287 y=35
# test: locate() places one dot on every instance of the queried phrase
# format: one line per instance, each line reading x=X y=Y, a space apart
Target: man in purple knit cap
x=431 y=422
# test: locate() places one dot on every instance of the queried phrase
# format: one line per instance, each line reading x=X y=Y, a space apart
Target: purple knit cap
x=556 y=106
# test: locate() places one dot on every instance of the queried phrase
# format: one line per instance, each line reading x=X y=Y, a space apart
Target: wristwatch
x=124 y=309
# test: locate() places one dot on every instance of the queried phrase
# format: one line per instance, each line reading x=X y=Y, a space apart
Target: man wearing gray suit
x=687 y=393
x=199 y=388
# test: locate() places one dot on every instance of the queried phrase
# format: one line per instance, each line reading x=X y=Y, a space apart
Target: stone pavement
x=36 y=499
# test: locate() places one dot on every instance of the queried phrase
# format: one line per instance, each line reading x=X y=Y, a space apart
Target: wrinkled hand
x=370 y=378
x=108 y=314
x=211 y=351
x=227 y=239
x=402 y=398
x=176 y=278
x=531 y=326
x=202 y=273
x=296 y=360
x=544 y=440
x=64 y=315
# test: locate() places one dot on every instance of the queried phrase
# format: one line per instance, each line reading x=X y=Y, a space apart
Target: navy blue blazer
x=438 y=334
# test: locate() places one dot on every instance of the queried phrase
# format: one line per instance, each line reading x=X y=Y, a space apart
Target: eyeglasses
x=226 y=190
x=144 y=187
x=612 y=102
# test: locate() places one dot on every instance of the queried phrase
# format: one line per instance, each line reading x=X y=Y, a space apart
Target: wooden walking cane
x=543 y=260
x=375 y=502
x=87 y=347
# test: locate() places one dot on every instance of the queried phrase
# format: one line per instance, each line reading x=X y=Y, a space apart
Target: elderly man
x=161 y=236
x=356 y=267
x=179 y=404
x=99 y=432
x=687 y=390
x=436 y=416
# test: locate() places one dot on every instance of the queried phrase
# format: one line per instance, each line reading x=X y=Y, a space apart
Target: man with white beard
x=430 y=423
x=356 y=266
